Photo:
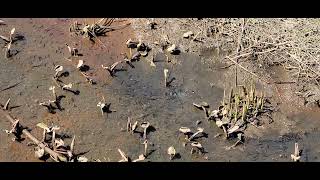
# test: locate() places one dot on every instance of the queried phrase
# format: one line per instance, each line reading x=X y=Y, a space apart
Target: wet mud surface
x=138 y=93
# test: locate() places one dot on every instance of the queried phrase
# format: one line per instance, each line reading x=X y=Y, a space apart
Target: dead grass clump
x=243 y=106
x=292 y=43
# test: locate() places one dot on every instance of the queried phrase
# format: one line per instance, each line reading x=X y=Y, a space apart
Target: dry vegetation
x=291 y=43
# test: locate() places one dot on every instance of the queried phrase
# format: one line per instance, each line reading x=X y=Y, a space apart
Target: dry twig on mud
x=20 y=130
x=10 y=86
x=111 y=69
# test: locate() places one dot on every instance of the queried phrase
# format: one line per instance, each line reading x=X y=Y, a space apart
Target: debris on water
x=171 y=152
x=297 y=155
x=188 y=34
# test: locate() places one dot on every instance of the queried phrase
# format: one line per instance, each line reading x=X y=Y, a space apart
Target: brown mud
x=140 y=93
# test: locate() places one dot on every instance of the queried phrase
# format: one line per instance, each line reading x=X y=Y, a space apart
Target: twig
x=10 y=86
x=56 y=156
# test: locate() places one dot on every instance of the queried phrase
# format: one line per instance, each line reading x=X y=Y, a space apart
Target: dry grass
x=291 y=43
